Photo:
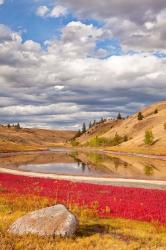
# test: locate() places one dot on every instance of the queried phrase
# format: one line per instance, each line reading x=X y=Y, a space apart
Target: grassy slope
x=31 y=139
x=93 y=233
x=135 y=130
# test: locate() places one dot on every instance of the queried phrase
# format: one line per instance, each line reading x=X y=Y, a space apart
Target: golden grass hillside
x=135 y=131
x=24 y=139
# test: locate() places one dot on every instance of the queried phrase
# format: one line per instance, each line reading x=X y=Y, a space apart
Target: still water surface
x=66 y=162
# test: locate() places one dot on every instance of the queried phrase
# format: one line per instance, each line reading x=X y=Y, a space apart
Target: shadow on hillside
x=155 y=141
x=88 y=230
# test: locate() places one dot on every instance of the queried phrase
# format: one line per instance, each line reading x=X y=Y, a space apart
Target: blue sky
x=66 y=62
x=20 y=15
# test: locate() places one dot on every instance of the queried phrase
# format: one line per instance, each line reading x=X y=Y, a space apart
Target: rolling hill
x=134 y=130
x=25 y=139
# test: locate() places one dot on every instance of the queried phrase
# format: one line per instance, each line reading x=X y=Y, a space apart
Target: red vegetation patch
x=110 y=201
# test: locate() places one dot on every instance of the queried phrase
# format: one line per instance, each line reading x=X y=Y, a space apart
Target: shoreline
x=97 y=150
x=148 y=184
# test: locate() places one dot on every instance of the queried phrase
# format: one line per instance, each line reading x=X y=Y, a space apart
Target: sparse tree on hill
x=90 y=125
x=156 y=111
x=18 y=126
x=119 y=117
x=102 y=120
x=94 y=122
x=117 y=139
x=125 y=138
x=149 y=137
x=9 y=126
x=78 y=134
x=84 y=128
x=140 y=116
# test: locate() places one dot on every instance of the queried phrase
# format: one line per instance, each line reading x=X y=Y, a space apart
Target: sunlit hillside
x=23 y=139
x=154 y=119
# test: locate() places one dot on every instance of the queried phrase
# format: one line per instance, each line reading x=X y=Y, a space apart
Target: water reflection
x=60 y=168
x=86 y=163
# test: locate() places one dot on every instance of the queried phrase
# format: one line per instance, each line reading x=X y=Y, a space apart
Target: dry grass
x=13 y=140
x=135 y=131
x=93 y=233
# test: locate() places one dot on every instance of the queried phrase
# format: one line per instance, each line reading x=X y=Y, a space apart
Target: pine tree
x=78 y=134
x=140 y=116
x=84 y=128
x=18 y=126
x=102 y=120
x=119 y=117
x=90 y=125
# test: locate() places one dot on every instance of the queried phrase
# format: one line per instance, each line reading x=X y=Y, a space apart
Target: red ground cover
x=131 y=203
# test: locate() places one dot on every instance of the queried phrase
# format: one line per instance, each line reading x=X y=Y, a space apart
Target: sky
x=63 y=63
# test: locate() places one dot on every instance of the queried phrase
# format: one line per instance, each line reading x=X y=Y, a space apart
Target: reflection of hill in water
x=95 y=163
x=126 y=166
x=35 y=158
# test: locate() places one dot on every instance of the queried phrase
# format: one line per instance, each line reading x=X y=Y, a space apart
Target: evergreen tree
x=90 y=125
x=9 y=126
x=119 y=117
x=84 y=128
x=94 y=122
x=102 y=120
x=18 y=126
x=78 y=134
x=140 y=116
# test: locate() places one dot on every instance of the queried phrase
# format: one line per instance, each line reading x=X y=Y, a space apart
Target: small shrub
x=140 y=116
x=156 y=111
x=77 y=135
x=117 y=139
x=149 y=137
x=74 y=143
x=125 y=138
x=148 y=170
x=165 y=125
x=98 y=141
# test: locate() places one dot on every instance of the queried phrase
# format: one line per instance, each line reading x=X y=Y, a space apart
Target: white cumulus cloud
x=55 y=12
x=42 y=11
x=2 y=2
x=66 y=83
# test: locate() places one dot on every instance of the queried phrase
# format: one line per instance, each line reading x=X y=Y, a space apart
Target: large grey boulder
x=51 y=221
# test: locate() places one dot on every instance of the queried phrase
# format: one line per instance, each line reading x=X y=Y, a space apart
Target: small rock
x=51 y=221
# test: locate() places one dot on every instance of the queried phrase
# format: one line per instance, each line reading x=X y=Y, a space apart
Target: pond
x=70 y=162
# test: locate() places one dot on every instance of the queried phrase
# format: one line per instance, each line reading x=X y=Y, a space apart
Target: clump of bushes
x=102 y=141
x=17 y=126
